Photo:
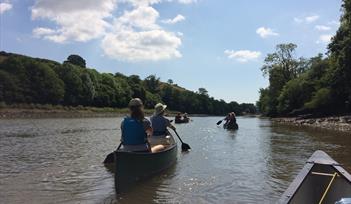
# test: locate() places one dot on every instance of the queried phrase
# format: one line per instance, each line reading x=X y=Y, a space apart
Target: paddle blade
x=110 y=158
x=185 y=147
x=219 y=122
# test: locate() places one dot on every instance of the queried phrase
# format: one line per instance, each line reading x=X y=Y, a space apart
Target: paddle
x=185 y=146
x=110 y=158
x=219 y=122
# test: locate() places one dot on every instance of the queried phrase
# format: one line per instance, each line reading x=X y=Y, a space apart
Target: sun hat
x=135 y=102
x=159 y=108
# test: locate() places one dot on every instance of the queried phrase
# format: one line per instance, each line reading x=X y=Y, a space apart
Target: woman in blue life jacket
x=136 y=129
x=159 y=126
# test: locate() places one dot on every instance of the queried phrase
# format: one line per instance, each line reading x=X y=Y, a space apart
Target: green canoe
x=233 y=126
x=132 y=167
x=322 y=180
x=185 y=120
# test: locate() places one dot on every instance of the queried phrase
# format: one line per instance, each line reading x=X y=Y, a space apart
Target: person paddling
x=136 y=129
x=231 y=121
x=159 y=125
x=178 y=117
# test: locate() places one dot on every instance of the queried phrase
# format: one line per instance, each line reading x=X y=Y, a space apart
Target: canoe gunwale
x=318 y=158
x=169 y=148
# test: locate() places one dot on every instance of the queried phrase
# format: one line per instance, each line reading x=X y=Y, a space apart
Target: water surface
x=60 y=161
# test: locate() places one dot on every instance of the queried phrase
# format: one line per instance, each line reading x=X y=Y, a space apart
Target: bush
x=320 y=99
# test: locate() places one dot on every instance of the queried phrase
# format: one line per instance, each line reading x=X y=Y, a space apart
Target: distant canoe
x=186 y=120
x=322 y=180
x=233 y=126
x=132 y=167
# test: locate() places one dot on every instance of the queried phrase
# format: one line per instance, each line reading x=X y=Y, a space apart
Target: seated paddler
x=159 y=125
x=136 y=128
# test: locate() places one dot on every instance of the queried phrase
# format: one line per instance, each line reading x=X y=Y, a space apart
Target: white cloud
x=77 y=20
x=325 y=39
x=266 y=32
x=5 y=6
x=133 y=36
x=176 y=19
x=187 y=1
x=180 y=34
x=242 y=55
x=40 y=31
x=143 y=17
x=138 y=46
x=334 y=23
x=322 y=27
x=310 y=19
x=307 y=19
x=140 y=2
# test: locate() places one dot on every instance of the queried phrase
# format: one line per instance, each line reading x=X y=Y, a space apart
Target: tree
x=152 y=84
x=45 y=85
x=88 y=90
x=203 y=91
x=9 y=90
x=32 y=80
x=283 y=60
x=340 y=54
x=280 y=66
x=170 y=81
x=70 y=75
x=294 y=94
x=76 y=60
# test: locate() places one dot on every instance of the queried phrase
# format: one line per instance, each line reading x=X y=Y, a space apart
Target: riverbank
x=337 y=123
x=48 y=111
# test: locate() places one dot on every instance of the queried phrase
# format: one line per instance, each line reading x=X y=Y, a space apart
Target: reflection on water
x=60 y=160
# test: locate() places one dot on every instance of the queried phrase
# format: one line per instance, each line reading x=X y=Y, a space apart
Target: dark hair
x=137 y=112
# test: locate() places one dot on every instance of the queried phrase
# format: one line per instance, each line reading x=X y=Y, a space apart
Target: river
x=60 y=161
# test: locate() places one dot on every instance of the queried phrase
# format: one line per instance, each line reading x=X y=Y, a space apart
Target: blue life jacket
x=133 y=132
x=159 y=125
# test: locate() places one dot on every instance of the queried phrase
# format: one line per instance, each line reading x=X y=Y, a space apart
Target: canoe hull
x=182 y=121
x=231 y=127
x=313 y=180
x=132 y=167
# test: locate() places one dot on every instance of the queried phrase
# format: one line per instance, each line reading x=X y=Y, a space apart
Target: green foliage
x=316 y=85
x=152 y=84
x=76 y=60
x=32 y=82
x=203 y=91
x=294 y=94
x=281 y=67
x=320 y=99
x=340 y=55
x=9 y=90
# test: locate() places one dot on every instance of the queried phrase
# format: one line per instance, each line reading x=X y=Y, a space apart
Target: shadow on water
x=144 y=191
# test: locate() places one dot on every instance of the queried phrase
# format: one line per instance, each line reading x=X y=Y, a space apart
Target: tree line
x=320 y=85
x=29 y=80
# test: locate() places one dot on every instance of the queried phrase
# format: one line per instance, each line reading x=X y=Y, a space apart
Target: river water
x=60 y=161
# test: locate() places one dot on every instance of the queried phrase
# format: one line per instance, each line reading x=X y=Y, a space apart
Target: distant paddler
x=181 y=118
x=230 y=121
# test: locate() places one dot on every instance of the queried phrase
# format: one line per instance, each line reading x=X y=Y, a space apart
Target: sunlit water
x=60 y=161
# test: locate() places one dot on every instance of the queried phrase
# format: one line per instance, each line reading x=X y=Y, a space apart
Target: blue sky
x=219 y=45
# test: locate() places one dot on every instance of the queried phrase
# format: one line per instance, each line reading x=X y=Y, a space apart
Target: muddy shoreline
x=55 y=113
x=336 y=123
x=13 y=113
